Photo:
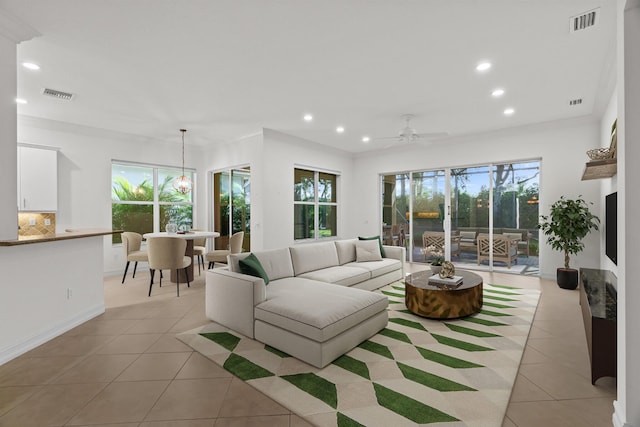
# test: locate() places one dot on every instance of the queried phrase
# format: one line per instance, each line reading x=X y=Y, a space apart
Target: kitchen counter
x=78 y=233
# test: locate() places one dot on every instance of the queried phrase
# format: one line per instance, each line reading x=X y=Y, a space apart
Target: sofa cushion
x=276 y=263
x=377 y=268
x=524 y=233
x=513 y=235
x=367 y=250
x=313 y=256
x=250 y=265
x=379 y=243
x=317 y=310
x=466 y=235
x=346 y=250
x=339 y=275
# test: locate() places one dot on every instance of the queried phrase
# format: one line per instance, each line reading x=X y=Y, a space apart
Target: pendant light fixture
x=183 y=184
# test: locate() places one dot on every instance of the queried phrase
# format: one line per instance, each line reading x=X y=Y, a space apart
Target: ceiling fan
x=409 y=135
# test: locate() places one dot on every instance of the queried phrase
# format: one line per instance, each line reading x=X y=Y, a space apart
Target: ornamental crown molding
x=15 y=29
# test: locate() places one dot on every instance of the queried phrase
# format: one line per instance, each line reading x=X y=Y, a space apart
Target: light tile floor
x=126 y=369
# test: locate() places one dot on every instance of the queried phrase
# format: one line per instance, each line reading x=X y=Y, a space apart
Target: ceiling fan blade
x=384 y=138
x=432 y=134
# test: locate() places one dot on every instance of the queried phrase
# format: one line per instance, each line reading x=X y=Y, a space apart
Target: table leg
x=183 y=279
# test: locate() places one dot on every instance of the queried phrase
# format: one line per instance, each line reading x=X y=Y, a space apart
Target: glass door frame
x=214 y=204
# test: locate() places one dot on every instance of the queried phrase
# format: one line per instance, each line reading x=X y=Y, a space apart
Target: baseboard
x=16 y=350
x=618 y=415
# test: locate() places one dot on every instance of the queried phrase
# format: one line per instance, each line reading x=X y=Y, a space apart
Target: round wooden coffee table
x=437 y=301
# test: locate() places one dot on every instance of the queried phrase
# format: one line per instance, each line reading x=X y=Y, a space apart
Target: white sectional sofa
x=317 y=304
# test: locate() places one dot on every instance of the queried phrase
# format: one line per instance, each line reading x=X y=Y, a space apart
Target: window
x=143 y=199
x=315 y=206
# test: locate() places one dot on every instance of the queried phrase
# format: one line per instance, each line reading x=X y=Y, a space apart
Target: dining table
x=189 y=236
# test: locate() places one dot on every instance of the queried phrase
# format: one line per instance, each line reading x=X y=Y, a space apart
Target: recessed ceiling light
x=21 y=101
x=483 y=66
x=509 y=111
x=340 y=129
x=366 y=139
x=497 y=93
x=30 y=66
x=308 y=117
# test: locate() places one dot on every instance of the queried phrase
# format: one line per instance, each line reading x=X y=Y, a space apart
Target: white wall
x=608 y=185
x=272 y=156
x=244 y=151
x=8 y=148
x=627 y=404
x=84 y=171
x=282 y=153
x=561 y=146
x=35 y=305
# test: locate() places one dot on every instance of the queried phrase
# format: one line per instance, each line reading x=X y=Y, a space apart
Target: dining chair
x=167 y=253
x=199 y=249
x=220 y=255
x=131 y=243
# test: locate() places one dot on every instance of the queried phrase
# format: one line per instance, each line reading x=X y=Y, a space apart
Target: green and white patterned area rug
x=415 y=372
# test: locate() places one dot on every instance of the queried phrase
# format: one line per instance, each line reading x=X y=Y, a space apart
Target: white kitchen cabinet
x=37 y=179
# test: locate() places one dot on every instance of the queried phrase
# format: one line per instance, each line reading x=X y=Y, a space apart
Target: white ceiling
x=225 y=69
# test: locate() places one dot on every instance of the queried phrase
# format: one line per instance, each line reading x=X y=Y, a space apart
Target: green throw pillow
x=379 y=242
x=250 y=265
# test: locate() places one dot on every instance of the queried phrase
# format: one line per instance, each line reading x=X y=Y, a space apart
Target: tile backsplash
x=36 y=224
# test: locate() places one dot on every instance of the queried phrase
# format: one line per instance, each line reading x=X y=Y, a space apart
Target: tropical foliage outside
x=306 y=206
x=132 y=206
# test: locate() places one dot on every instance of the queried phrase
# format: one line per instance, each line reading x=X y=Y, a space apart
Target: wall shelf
x=598 y=169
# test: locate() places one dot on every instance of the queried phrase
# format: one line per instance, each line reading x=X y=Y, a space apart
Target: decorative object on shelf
x=606 y=153
x=448 y=270
x=570 y=221
x=183 y=184
x=599 y=154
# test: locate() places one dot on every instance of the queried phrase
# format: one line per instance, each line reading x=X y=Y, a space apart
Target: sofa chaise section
x=318 y=322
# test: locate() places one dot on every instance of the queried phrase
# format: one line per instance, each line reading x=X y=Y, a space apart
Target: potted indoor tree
x=569 y=222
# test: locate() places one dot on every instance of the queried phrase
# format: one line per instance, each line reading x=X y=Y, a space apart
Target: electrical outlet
x=32 y=221
x=69 y=293
x=47 y=221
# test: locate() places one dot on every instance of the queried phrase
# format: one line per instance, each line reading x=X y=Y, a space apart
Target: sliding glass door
x=469 y=210
x=428 y=213
x=485 y=216
x=232 y=206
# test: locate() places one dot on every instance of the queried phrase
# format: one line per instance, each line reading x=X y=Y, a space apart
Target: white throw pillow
x=368 y=250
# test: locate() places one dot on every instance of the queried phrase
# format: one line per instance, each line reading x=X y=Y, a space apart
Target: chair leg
x=134 y=269
x=126 y=267
x=198 y=258
x=178 y=283
x=160 y=278
x=210 y=265
x=186 y=274
x=151 y=282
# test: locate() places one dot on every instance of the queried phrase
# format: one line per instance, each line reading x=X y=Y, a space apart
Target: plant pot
x=435 y=269
x=567 y=278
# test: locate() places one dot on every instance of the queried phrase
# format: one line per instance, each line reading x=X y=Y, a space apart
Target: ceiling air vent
x=584 y=20
x=57 y=94
x=574 y=102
